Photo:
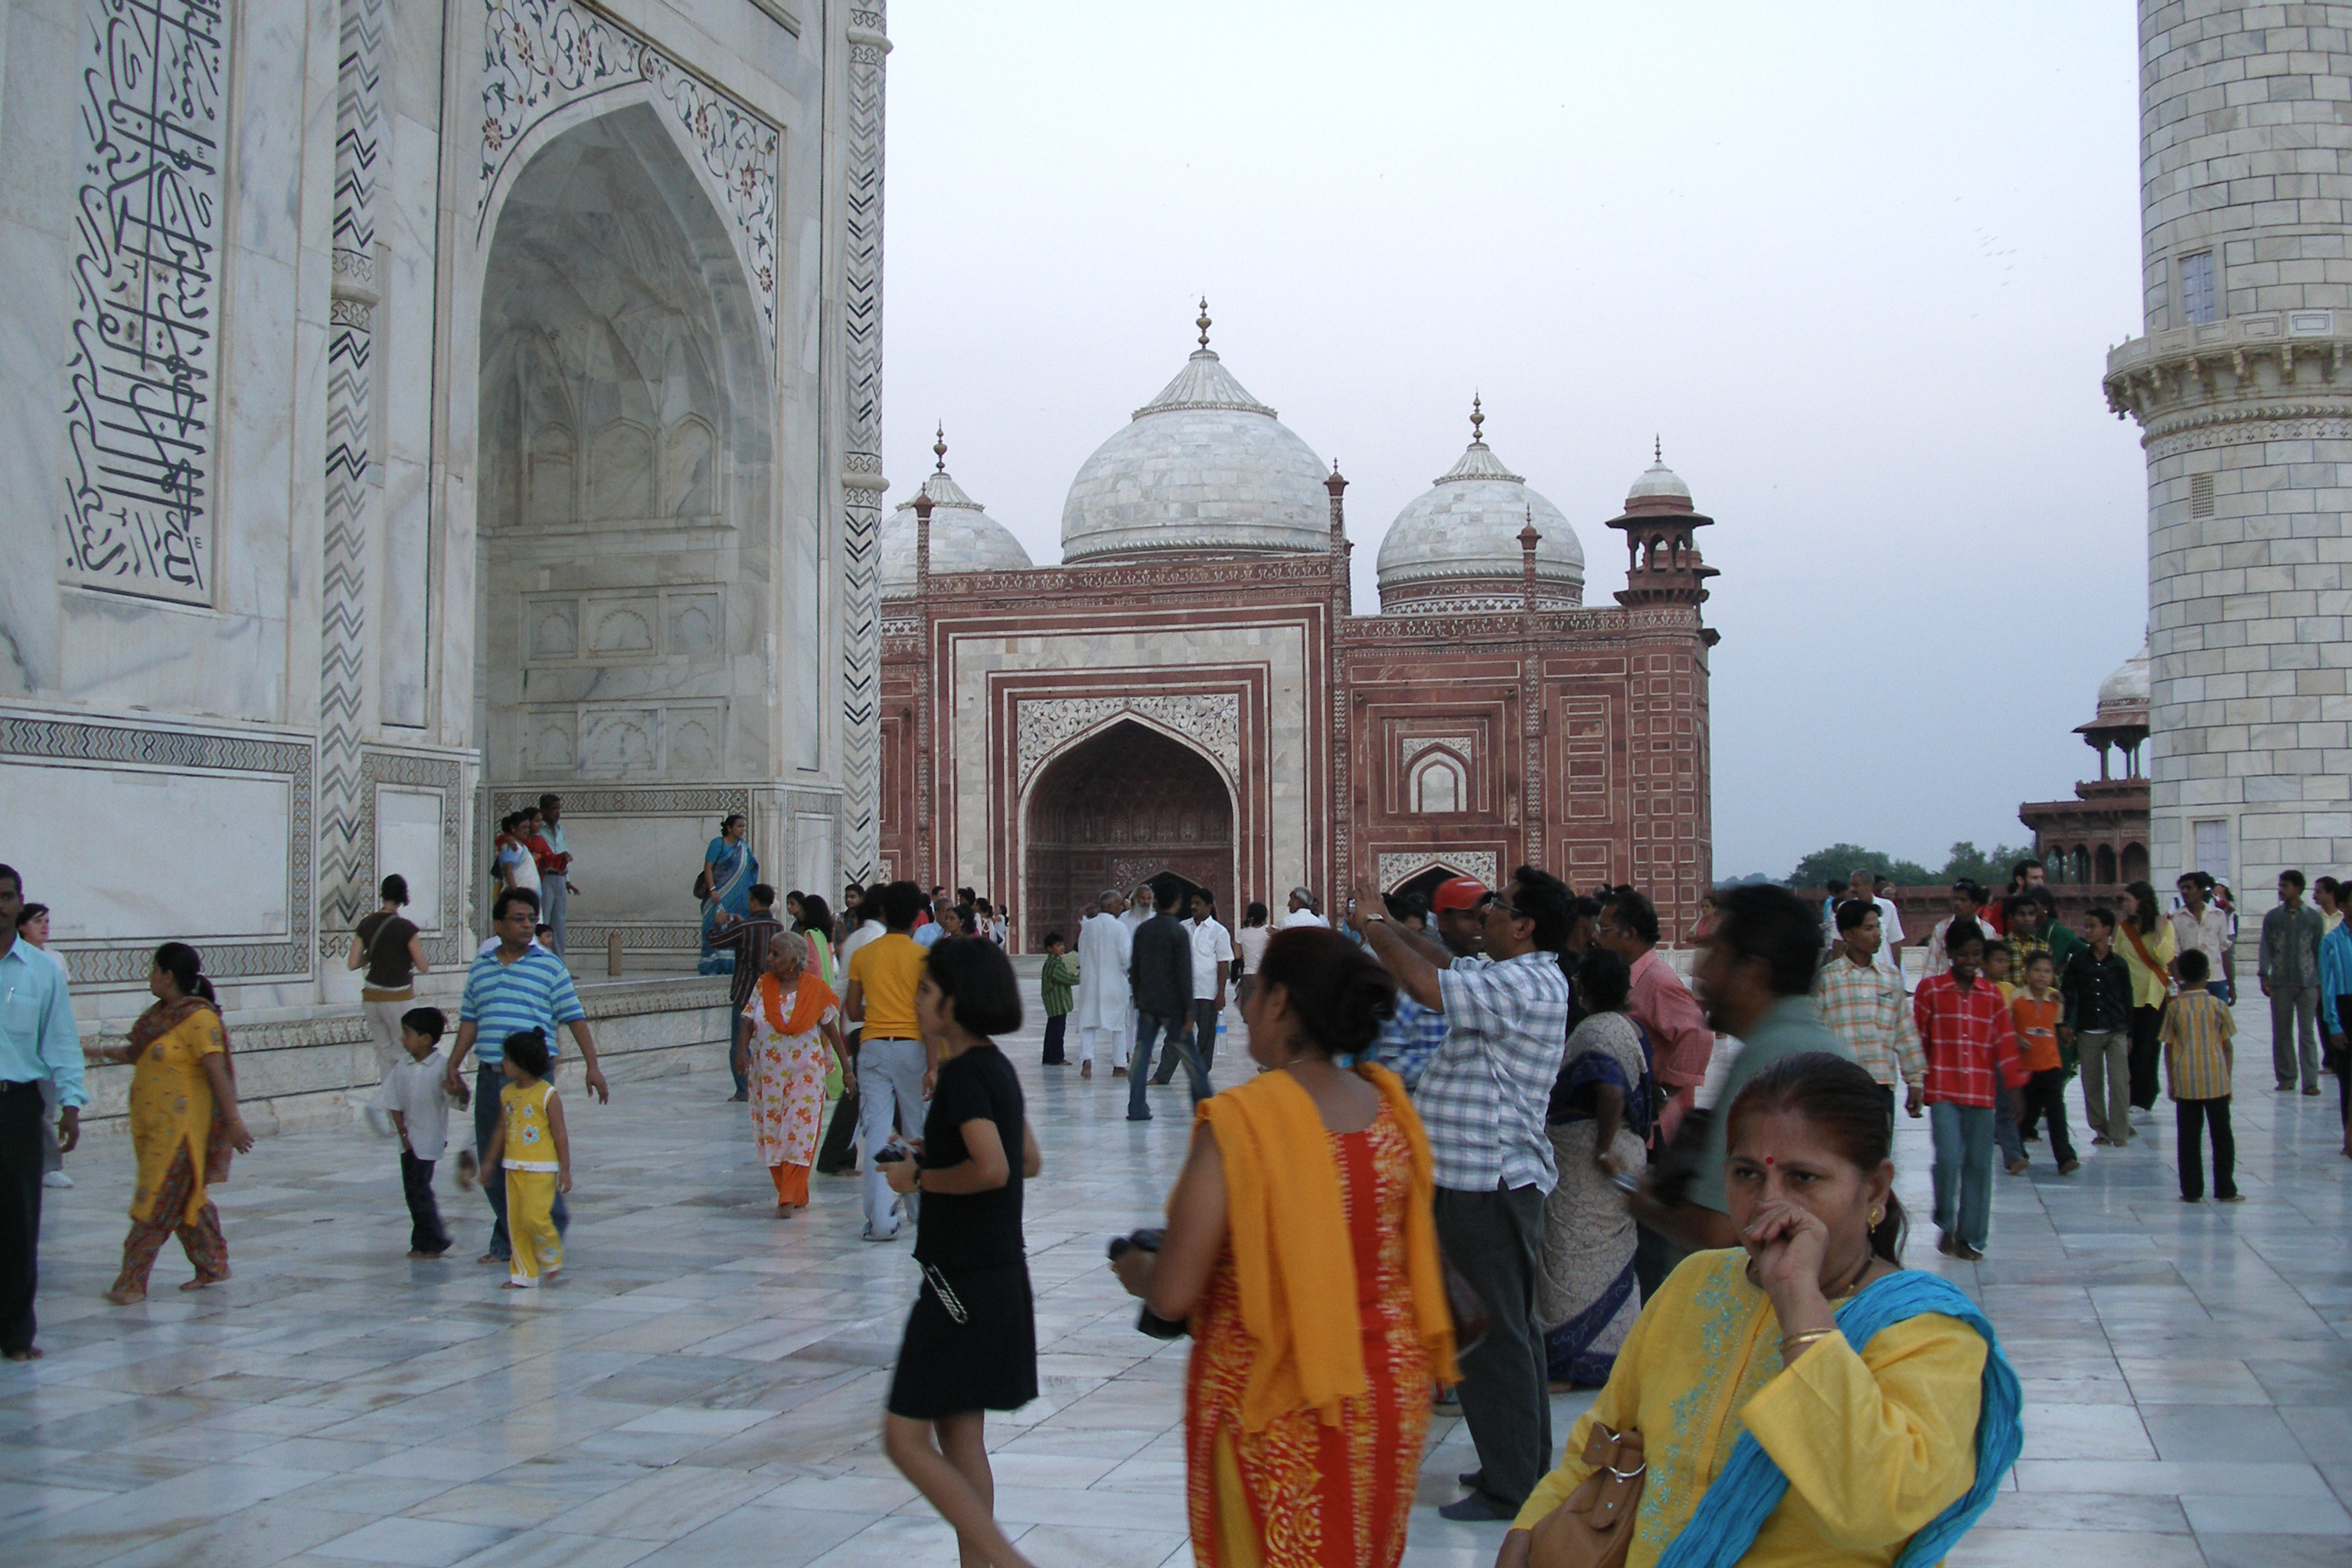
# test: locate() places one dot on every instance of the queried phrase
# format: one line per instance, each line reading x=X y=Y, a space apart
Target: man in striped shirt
x=1863 y=1004
x=1483 y=1100
x=2197 y=1056
x=513 y=989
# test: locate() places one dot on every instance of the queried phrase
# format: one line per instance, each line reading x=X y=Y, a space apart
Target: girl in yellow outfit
x=532 y=1146
x=183 y=1122
x=1771 y=1439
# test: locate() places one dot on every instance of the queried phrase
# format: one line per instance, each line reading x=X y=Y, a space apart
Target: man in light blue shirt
x=38 y=1045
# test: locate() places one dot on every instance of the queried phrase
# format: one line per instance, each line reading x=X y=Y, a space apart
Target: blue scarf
x=1751 y=1486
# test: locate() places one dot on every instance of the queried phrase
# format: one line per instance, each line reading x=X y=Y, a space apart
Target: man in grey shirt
x=2289 y=967
x=1755 y=978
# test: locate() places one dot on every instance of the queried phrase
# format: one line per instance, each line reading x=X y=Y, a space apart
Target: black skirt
x=987 y=1362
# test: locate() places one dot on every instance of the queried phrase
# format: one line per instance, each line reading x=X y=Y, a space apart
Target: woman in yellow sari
x=1301 y=1247
x=1801 y=1401
x=794 y=1018
x=183 y=1122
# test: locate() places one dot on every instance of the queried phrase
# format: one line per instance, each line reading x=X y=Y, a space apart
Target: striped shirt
x=534 y=992
x=1969 y=1038
x=1865 y=1006
x=2196 y=1034
x=1483 y=1097
x=1410 y=1038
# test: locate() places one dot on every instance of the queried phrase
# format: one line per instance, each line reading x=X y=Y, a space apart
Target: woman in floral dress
x=796 y=1019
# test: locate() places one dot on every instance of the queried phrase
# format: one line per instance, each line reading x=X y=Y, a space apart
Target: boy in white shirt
x=419 y=1105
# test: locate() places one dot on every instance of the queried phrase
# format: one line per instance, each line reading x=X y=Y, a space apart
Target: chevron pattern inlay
x=862 y=509
x=345 y=810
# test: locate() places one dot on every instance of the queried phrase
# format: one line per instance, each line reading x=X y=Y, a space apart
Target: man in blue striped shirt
x=513 y=989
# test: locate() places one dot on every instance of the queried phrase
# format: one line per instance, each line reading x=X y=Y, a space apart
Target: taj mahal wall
x=2245 y=401
x=275 y=621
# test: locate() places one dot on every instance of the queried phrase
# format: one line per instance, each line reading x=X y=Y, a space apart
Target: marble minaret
x=2242 y=391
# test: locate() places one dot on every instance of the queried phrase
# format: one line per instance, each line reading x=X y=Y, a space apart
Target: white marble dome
x=1455 y=547
x=1658 y=480
x=964 y=538
x=1204 y=465
x=2127 y=689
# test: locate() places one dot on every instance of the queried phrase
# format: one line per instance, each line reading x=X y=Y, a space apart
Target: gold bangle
x=1802 y=1342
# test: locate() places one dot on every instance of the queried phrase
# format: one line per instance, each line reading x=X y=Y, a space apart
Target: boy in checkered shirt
x=2198 y=1059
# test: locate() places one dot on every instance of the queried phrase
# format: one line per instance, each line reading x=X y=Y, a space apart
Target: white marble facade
x=412 y=407
x=2242 y=391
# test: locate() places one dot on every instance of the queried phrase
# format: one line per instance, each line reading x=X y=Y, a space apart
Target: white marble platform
x=706 y=1385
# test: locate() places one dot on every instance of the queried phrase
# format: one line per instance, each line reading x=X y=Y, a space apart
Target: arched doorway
x=625 y=488
x=1426 y=882
x=1125 y=806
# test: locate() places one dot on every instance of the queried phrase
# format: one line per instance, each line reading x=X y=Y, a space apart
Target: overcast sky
x=1859 y=266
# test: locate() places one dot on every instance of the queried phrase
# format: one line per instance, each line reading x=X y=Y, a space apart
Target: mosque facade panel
x=1192 y=694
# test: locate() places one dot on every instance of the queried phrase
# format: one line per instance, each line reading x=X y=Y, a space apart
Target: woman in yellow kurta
x=1772 y=1439
x=2145 y=939
x=1301 y=1245
x=183 y=1121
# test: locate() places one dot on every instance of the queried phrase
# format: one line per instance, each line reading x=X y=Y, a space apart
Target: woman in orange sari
x=1301 y=1247
x=183 y=1122
x=795 y=1017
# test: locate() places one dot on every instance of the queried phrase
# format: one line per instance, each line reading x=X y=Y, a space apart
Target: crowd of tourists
x=1495 y=1148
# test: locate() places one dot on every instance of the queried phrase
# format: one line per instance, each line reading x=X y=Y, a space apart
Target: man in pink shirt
x=1680 y=1041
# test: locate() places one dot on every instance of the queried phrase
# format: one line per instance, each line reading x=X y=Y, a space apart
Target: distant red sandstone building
x=1189 y=694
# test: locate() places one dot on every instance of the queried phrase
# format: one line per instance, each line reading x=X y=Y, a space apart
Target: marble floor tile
x=706 y=1385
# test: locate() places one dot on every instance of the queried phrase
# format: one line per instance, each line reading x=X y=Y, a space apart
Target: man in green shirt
x=1755 y=978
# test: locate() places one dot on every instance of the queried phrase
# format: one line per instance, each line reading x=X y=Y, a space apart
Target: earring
x=1875 y=1215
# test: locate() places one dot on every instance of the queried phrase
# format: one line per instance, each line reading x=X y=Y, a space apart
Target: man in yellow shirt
x=891 y=1061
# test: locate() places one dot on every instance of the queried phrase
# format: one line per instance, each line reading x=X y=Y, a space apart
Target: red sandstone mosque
x=1189 y=692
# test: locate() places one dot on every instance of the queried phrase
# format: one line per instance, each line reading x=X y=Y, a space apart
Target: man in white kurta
x=1105 y=1006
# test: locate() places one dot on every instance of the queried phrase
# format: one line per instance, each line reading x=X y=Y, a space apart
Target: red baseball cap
x=1461 y=893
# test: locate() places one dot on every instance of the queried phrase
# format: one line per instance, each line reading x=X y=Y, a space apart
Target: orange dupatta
x=809 y=1003
x=1292 y=1258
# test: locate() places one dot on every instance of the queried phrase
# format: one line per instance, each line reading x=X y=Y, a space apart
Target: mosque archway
x=1128 y=804
x=626 y=467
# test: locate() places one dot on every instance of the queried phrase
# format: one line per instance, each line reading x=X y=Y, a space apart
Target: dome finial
x=1203 y=322
x=939 y=447
x=1477 y=418
x=1657 y=449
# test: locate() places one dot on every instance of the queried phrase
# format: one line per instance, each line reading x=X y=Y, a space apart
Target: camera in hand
x=891 y=1155
x=1147 y=1321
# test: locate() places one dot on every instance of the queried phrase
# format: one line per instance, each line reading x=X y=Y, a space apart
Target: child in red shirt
x=2035 y=1013
x=1972 y=1049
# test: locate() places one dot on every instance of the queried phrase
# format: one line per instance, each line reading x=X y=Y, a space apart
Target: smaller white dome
x=1658 y=479
x=964 y=538
x=1455 y=547
x=2128 y=687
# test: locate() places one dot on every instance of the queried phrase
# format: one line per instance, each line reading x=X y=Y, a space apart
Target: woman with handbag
x=2148 y=947
x=1802 y=1399
x=1301 y=1247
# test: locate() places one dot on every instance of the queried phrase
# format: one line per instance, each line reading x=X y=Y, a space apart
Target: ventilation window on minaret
x=2197 y=287
x=2201 y=495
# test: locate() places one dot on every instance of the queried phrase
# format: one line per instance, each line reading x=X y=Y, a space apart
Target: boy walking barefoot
x=418 y=1101
x=2198 y=1060
x=1965 y=1030
x=532 y=1151
x=2036 y=1012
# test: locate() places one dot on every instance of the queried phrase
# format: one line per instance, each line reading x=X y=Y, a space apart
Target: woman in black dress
x=971 y=1339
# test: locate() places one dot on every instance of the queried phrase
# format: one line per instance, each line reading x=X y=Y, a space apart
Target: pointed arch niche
x=1126 y=804
x=626 y=468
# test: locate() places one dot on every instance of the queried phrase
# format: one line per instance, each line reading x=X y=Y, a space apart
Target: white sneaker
x=55 y=1179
